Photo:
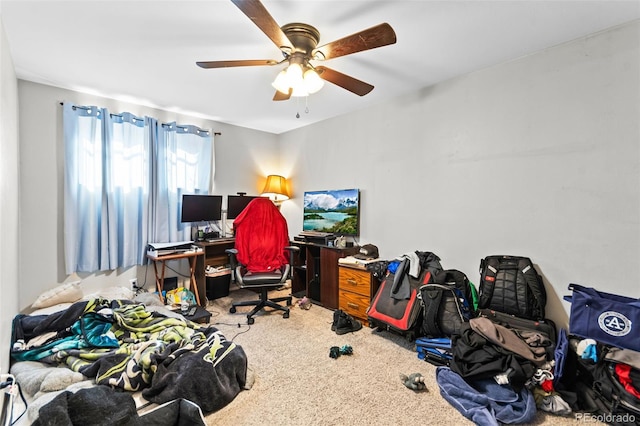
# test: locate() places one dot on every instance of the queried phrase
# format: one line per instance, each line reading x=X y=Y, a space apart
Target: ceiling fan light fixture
x=281 y=83
x=294 y=75
x=298 y=43
x=312 y=81
x=292 y=79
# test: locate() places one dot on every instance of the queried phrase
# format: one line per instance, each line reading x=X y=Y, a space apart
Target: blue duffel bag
x=607 y=318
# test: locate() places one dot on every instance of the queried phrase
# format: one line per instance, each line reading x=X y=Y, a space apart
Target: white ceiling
x=145 y=51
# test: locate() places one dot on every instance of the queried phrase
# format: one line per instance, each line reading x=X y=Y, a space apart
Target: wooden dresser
x=356 y=288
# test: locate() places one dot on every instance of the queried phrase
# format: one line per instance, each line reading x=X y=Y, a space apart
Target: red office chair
x=259 y=259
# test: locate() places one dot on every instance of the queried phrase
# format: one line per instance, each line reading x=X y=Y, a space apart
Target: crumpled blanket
x=261 y=236
x=485 y=402
x=166 y=358
x=98 y=405
x=37 y=379
x=103 y=406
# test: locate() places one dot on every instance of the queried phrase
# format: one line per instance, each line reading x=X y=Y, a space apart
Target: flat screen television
x=201 y=208
x=237 y=203
x=334 y=211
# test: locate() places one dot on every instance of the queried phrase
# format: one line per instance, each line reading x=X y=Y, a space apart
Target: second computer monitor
x=237 y=203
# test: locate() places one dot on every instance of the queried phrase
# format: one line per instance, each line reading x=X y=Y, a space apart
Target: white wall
x=9 y=164
x=41 y=230
x=536 y=157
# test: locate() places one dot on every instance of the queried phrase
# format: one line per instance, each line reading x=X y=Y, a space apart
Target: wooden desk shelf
x=315 y=272
x=214 y=255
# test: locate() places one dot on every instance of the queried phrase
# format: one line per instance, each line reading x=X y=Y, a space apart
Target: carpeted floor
x=296 y=382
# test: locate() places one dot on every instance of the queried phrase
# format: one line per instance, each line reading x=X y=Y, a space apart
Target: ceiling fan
x=298 y=43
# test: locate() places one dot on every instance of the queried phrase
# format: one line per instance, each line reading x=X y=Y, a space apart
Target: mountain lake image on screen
x=335 y=211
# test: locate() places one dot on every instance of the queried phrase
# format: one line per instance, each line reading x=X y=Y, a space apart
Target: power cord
x=238 y=325
x=9 y=386
x=177 y=272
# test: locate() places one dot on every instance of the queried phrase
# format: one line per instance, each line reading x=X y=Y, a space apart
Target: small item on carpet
x=414 y=381
x=346 y=350
x=304 y=303
x=335 y=352
x=344 y=323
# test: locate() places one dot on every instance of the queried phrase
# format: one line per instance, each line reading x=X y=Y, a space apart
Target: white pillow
x=65 y=293
x=51 y=309
x=111 y=293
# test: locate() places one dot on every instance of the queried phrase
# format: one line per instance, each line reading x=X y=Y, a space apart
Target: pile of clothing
x=499 y=374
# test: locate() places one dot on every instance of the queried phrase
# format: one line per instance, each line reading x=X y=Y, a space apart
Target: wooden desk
x=315 y=272
x=214 y=251
x=214 y=255
x=191 y=256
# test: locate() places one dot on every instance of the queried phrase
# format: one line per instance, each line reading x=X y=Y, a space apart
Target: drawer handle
x=352 y=281
x=353 y=305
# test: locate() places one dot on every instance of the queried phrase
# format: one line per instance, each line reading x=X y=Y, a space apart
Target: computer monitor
x=201 y=208
x=237 y=203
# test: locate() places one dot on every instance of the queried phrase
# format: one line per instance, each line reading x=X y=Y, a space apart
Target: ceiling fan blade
x=279 y=96
x=263 y=20
x=240 y=63
x=378 y=36
x=346 y=82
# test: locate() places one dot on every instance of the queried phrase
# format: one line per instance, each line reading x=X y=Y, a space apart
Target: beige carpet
x=296 y=382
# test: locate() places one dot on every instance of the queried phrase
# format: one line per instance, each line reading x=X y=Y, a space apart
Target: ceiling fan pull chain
x=306 y=104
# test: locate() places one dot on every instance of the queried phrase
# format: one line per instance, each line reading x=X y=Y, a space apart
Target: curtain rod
x=118 y=115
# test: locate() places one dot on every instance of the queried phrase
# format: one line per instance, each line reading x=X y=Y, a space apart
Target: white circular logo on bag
x=614 y=323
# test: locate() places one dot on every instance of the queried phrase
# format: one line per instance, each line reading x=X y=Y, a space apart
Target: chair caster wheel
x=285 y=315
x=232 y=309
x=250 y=320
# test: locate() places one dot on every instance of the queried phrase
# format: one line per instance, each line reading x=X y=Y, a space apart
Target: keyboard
x=315 y=234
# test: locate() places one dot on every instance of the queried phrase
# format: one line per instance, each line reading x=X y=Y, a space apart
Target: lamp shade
x=276 y=186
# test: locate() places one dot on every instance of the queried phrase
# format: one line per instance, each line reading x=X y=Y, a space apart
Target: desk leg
x=159 y=280
x=194 y=284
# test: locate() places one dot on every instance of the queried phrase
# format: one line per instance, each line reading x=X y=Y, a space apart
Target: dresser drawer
x=356 y=281
x=354 y=304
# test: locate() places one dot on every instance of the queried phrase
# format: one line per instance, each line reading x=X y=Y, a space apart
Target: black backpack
x=511 y=284
x=447 y=303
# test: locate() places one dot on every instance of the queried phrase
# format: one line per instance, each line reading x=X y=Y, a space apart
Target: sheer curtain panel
x=184 y=164
x=124 y=179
